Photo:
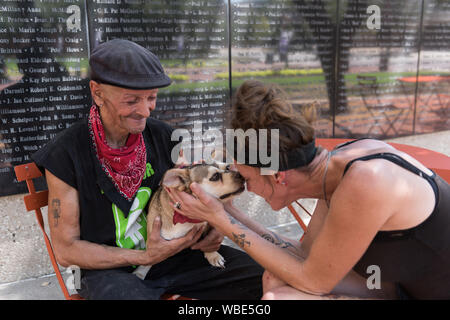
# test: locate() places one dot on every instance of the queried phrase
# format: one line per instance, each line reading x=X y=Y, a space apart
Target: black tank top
x=416 y=259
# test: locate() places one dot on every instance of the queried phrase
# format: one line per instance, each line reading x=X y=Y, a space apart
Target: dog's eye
x=227 y=168
x=216 y=176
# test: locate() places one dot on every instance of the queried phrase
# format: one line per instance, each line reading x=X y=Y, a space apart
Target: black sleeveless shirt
x=106 y=217
x=416 y=259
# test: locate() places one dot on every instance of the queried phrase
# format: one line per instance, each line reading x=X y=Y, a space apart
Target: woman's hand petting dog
x=204 y=204
x=201 y=206
x=159 y=249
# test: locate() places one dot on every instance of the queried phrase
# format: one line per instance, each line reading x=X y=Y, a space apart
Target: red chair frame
x=37 y=200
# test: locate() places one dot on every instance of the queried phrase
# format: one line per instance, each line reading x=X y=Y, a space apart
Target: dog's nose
x=237 y=176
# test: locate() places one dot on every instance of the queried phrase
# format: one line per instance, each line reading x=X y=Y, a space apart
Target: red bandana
x=179 y=218
x=126 y=165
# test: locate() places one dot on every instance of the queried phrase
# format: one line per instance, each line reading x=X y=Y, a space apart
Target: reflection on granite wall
x=44 y=85
x=432 y=104
x=377 y=68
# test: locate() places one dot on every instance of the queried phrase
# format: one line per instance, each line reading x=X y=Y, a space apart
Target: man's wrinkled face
x=126 y=109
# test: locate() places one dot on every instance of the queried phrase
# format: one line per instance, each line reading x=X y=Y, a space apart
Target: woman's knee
x=285 y=293
x=269 y=296
x=288 y=293
x=266 y=281
x=270 y=281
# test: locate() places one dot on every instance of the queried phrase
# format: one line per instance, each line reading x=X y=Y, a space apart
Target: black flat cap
x=126 y=64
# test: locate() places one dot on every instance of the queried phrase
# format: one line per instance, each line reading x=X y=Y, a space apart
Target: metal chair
x=37 y=200
x=368 y=88
x=298 y=218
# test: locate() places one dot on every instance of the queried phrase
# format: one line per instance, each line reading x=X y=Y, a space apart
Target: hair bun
x=266 y=106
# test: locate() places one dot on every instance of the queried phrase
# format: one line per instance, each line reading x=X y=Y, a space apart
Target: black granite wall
x=367 y=67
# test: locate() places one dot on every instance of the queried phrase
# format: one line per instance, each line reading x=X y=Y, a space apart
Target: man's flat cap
x=126 y=64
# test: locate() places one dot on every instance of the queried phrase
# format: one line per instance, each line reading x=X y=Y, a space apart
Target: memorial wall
x=44 y=85
x=368 y=68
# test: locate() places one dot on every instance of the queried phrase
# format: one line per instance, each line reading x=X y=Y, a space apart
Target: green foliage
x=270 y=73
x=179 y=77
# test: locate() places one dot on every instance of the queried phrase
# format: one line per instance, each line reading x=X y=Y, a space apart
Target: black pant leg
x=191 y=275
x=117 y=284
x=187 y=273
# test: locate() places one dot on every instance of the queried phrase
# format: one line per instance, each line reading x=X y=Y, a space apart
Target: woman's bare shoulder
x=368 y=188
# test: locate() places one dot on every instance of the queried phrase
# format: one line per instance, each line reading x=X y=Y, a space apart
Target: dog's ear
x=219 y=155
x=181 y=161
x=175 y=178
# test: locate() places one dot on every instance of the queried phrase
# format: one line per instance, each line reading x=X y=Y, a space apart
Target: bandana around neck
x=126 y=165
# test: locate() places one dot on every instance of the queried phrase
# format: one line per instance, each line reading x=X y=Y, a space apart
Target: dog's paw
x=215 y=259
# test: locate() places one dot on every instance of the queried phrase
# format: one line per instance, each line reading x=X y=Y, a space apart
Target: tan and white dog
x=216 y=179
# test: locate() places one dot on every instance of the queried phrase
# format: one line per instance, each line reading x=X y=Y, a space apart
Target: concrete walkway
x=47 y=288
x=43 y=288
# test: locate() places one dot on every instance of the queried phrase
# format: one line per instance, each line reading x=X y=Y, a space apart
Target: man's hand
x=159 y=249
x=211 y=242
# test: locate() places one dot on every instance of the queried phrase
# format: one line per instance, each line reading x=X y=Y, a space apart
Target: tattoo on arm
x=273 y=238
x=239 y=239
x=56 y=204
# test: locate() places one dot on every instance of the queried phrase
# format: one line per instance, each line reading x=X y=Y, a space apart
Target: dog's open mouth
x=240 y=190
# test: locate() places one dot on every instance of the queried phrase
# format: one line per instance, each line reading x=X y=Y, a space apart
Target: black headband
x=291 y=159
x=299 y=157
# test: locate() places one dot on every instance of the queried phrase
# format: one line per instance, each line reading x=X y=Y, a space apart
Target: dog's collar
x=179 y=218
x=232 y=193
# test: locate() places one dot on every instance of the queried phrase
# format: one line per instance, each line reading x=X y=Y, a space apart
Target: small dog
x=216 y=179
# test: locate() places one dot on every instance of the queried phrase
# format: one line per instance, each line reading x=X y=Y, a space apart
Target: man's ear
x=96 y=92
x=175 y=178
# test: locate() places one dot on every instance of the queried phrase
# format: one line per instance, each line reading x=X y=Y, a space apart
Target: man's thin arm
x=64 y=222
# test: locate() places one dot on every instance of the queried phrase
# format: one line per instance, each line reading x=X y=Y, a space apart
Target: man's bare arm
x=64 y=222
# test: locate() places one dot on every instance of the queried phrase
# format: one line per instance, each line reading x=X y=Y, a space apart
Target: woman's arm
x=280 y=262
x=64 y=222
x=359 y=207
x=356 y=213
x=293 y=246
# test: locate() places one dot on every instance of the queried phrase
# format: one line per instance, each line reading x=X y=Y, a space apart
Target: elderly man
x=101 y=173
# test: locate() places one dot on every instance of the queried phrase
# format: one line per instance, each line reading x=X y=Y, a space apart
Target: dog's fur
x=215 y=179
